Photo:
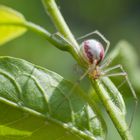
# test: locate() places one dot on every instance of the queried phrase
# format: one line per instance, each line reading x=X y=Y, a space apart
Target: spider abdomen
x=92 y=50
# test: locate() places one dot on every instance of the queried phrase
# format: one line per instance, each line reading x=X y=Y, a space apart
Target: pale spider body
x=92 y=51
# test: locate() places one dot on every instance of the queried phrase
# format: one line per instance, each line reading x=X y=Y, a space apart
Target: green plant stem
x=44 y=33
x=115 y=114
x=52 y=38
x=63 y=29
x=59 y=21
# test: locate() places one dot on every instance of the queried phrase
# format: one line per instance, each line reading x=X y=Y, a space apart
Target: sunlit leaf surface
x=9 y=32
x=36 y=103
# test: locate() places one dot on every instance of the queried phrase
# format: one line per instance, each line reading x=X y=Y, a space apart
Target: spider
x=93 y=53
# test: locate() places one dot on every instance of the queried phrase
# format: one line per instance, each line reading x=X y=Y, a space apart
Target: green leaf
x=36 y=103
x=9 y=32
x=13 y=24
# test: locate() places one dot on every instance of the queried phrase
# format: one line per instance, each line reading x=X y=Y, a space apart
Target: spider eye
x=92 y=50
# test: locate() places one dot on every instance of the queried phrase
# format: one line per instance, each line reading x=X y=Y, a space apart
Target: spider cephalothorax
x=95 y=73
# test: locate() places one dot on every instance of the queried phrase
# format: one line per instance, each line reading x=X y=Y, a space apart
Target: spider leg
x=92 y=67
x=123 y=73
x=100 y=35
x=120 y=85
x=57 y=34
x=89 y=70
x=105 y=64
x=113 y=68
x=115 y=74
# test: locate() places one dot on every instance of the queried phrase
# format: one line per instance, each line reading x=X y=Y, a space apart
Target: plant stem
x=52 y=38
x=117 y=116
x=59 y=22
x=62 y=27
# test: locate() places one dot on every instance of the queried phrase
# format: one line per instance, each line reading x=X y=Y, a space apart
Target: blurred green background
x=116 y=19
